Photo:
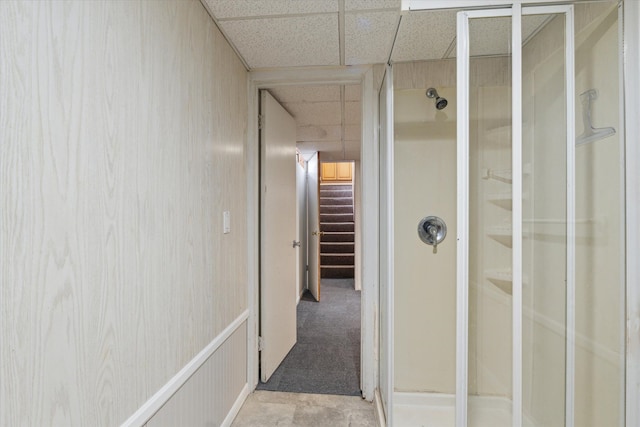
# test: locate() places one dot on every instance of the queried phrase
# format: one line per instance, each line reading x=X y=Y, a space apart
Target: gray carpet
x=326 y=358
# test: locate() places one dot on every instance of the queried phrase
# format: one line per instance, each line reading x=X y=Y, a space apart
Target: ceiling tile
x=371 y=4
x=352 y=113
x=352 y=132
x=352 y=145
x=222 y=9
x=319 y=133
x=306 y=147
x=424 y=35
x=286 y=42
x=369 y=37
x=352 y=93
x=315 y=113
x=306 y=93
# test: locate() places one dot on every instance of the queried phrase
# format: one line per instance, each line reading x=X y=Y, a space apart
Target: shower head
x=440 y=102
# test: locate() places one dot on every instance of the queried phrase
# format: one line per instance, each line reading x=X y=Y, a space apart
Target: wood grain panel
x=122 y=129
x=208 y=396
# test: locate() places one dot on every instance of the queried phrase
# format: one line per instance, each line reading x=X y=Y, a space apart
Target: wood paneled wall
x=122 y=132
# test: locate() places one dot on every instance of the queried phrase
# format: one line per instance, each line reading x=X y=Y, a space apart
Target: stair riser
x=336 y=186
x=336 y=201
x=336 y=217
x=337 y=273
x=343 y=209
x=336 y=260
x=328 y=248
x=346 y=237
x=335 y=193
x=337 y=226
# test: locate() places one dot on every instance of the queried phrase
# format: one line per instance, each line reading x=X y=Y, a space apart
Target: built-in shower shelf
x=503 y=234
x=503 y=175
x=504 y=199
x=498 y=135
x=502 y=279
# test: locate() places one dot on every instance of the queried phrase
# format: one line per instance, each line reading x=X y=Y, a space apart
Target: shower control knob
x=432 y=230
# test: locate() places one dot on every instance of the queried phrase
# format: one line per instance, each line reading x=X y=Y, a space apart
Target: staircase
x=337 y=247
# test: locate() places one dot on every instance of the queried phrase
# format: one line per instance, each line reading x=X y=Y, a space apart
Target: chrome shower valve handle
x=432 y=230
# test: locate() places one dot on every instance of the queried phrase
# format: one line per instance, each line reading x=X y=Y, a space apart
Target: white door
x=278 y=232
x=314 y=225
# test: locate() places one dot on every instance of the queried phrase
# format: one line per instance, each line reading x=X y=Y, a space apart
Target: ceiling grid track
x=341 y=31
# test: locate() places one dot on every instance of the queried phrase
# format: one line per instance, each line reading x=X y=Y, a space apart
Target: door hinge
x=260 y=121
x=260 y=344
x=307 y=267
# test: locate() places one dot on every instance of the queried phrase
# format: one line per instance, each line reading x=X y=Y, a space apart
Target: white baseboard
x=378 y=410
x=233 y=412
x=162 y=396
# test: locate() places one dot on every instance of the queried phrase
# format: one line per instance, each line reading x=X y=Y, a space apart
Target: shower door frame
x=515 y=11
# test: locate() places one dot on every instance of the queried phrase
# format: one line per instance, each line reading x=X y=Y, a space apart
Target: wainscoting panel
x=208 y=397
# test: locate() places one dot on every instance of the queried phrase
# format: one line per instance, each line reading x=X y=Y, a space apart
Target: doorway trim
x=266 y=79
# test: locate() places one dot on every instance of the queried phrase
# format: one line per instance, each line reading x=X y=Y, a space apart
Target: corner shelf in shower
x=502 y=279
x=504 y=175
x=499 y=135
x=503 y=234
x=503 y=199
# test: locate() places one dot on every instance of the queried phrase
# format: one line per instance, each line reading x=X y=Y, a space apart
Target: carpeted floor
x=326 y=358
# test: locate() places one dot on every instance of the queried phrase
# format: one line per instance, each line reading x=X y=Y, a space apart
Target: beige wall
x=122 y=132
x=424 y=298
x=425 y=184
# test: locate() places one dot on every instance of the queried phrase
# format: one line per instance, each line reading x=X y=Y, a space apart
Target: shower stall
x=517 y=318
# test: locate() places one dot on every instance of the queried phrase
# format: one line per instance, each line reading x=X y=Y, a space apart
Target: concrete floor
x=272 y=408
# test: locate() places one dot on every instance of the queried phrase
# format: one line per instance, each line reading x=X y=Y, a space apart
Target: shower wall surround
x=425 y=184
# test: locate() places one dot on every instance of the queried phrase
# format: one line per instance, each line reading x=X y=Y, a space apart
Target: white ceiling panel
x=319 y=133
x=306 y=93
x=352 y=113
x=223 y=9
x=284 y=42
x=315 y=113
x=352 y=93
x=352 y=145
x=352 y=132
x=371 y=5
x=369 y=37
x=306 y=147
x=424 y=35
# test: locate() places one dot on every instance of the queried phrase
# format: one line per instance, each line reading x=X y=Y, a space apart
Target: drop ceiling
x=303 y=33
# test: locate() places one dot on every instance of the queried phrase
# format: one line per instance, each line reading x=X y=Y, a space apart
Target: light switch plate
x=226 y=222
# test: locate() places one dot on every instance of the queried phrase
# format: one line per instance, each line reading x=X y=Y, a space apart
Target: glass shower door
x=541 y=248
x=490 y=373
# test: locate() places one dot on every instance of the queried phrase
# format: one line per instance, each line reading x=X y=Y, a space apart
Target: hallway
x=326 y=357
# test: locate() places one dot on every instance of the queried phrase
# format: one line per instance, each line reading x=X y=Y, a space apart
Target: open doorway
x=324 y=355
x=367 y=169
